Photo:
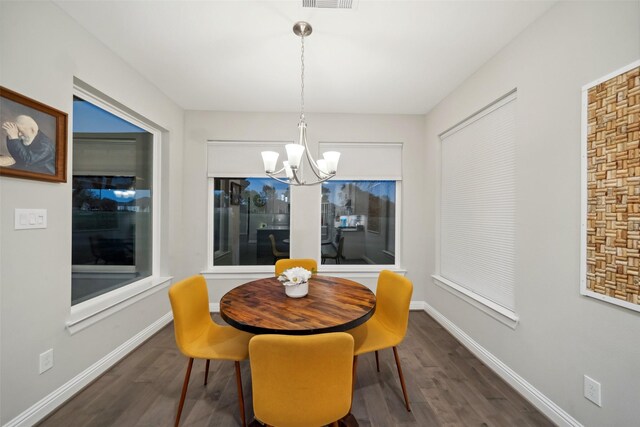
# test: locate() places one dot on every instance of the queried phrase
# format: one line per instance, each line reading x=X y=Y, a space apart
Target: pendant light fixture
x=323 y=169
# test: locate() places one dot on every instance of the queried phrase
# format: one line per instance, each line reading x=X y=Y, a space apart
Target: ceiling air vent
x=328 y=4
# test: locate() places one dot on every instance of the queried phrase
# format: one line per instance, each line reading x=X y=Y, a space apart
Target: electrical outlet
x=46 y=360
x=592 y=390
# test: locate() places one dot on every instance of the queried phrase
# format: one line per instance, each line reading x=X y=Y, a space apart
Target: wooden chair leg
x=404 y=388
x=184 y=391
x=240 y=394
x=335 y=424
x=353 y=380
x=377 y=362
x=206 y=372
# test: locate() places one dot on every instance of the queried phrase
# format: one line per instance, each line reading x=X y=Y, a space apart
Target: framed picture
x=33 y=139
x=610 y=241
x=235 y=193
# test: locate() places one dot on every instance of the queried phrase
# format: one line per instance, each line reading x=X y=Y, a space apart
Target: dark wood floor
x=447 y=386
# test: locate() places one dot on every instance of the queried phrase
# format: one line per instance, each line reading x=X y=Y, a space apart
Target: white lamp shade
x=287 y=170
x=294 y=153
x=331 y=158
x=322 y=165
x=270 y=158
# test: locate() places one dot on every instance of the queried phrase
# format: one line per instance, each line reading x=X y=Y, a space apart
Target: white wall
x=561 y=335
x=201 y=126
x=41 y=50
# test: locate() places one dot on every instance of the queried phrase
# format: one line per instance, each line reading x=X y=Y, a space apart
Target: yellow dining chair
x=285 y=264
x=301 y=381
x=199 y=337
x=388 y=325
x=277 y=254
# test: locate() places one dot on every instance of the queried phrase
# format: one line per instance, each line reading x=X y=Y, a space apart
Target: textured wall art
x=611 y=188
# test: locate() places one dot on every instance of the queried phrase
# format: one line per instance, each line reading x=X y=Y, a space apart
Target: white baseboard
x=532 y=394
x=59 y=396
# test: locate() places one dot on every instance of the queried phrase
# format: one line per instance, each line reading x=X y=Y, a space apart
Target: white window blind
x=366 y=161
x=240 y=159
x=478 y=202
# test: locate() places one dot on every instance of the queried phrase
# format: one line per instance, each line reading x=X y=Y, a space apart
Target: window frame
x=503 y=314
x=257 y=271
x=92 y=310
x=344 y=268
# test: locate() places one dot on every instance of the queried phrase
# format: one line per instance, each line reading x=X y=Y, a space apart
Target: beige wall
x=561 y=335
x=41 y=50
x=201 y=126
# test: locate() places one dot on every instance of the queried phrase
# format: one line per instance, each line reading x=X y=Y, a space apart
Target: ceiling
x=388 y=57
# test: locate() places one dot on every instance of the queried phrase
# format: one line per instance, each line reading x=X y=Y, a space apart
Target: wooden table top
x=333 y=305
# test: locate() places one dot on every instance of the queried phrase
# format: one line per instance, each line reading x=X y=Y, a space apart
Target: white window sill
x=502 y=314
x=89 y=312
x=339 y=270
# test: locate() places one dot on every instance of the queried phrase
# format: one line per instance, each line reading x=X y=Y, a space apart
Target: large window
x=477 y=207
x=249 y=214
x=111 y=202
x=358 y=222
x=250 y=221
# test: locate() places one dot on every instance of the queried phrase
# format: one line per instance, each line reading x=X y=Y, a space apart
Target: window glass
x=358 y=220
x=250 y=221
x=111 y=202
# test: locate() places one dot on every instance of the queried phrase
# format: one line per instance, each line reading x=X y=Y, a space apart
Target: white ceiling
x=393 y=57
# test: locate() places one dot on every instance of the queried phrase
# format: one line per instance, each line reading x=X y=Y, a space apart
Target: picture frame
x=610 y=211
x=235 y=193
x=33 y=139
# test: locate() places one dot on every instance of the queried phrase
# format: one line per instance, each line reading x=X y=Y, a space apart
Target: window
x=477 y=207
x=358 y=222
x=112 y=201
x=248 y=213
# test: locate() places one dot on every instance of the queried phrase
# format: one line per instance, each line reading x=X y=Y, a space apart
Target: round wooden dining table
x=333 y=304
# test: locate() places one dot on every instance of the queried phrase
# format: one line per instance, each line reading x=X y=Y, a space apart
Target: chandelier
x=323 y=169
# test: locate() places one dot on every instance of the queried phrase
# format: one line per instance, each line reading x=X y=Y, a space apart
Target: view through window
x=358 y=222
x=250 y=221
x=111 y=202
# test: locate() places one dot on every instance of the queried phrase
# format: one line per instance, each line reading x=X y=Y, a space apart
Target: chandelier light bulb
x=294 y=154
x=270 y=158
x=331 y=158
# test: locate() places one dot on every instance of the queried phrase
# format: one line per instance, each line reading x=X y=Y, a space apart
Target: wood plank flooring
x=447 y=386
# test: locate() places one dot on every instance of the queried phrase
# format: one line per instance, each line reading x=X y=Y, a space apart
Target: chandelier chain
x=302 y=81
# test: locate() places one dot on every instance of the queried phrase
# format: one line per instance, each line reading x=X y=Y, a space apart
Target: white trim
x=91 y=311
x=545 y=405
x=250 y=272
x=210 y=224
x=505 y=99
x=87 y=313
x=59 y=396
x=583 y=194
x=498 y=312
x=611 y=74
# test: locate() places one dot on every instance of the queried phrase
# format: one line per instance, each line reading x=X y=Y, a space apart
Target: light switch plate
x=30 y=218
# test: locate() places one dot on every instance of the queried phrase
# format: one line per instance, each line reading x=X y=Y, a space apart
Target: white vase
x=297 y=291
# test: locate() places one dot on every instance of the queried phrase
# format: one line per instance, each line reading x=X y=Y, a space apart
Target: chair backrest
x=393 y=297
x=340 y=247
x=285 y=264
x=190 y=305
x=301 y=381
x=274 y=248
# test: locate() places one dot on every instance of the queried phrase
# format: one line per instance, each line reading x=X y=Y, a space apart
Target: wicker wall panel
x=613 y=187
